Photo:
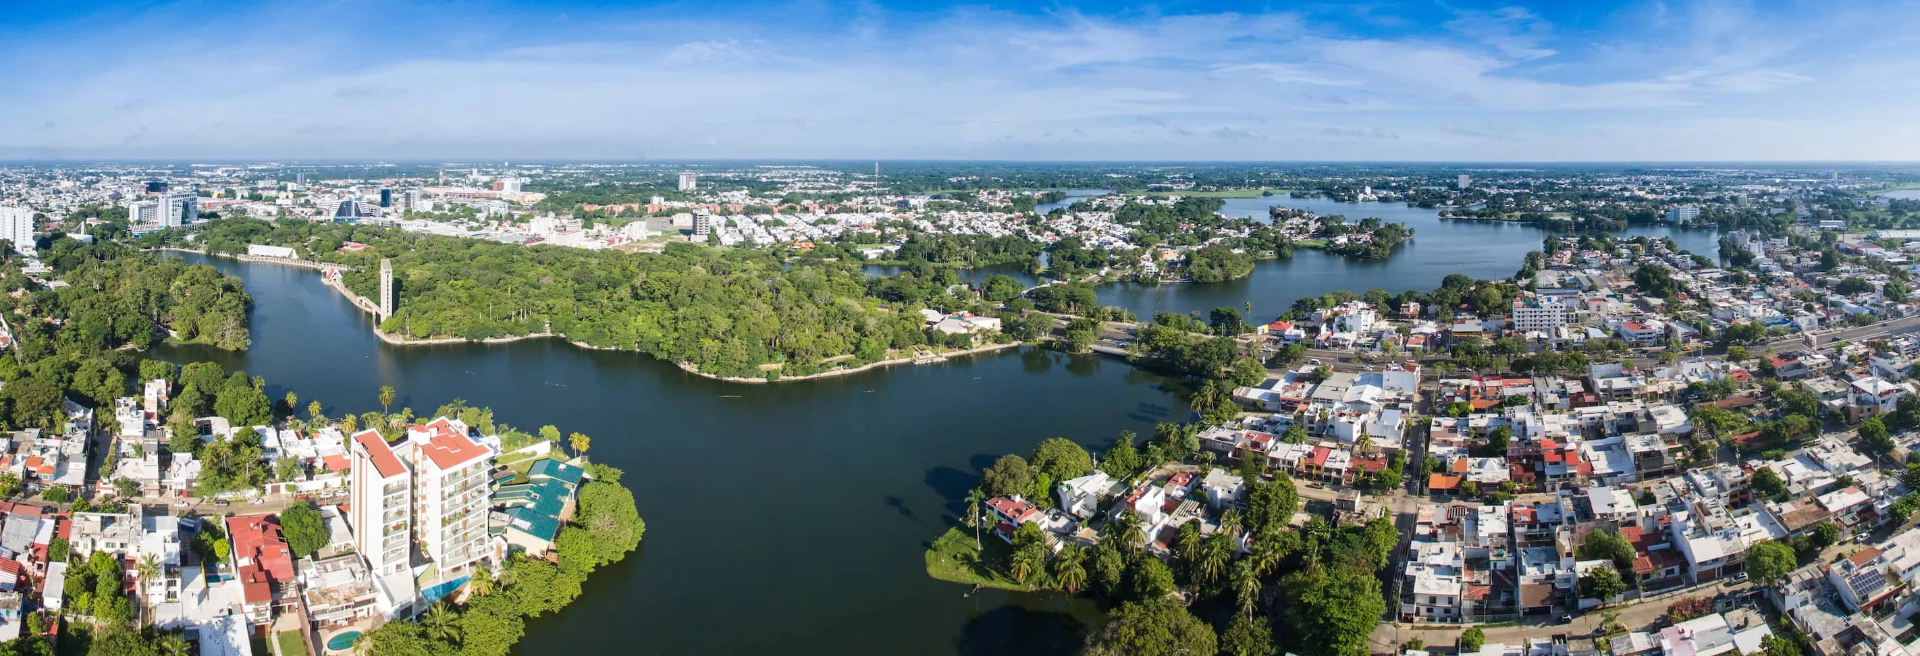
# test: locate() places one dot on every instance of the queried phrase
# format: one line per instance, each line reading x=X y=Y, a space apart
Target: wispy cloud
x=1383 y=81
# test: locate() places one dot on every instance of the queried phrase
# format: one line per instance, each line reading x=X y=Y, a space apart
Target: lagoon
x=785 y=518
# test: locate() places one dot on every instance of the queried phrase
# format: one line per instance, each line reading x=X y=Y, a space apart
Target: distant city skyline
x=1393 y=82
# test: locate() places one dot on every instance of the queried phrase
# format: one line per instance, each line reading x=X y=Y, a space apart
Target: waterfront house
x=263 y=565
x=1009 y=513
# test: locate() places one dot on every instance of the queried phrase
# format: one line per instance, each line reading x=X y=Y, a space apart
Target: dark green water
x=784 y=518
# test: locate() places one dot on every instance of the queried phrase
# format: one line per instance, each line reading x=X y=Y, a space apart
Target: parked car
x=221 y=503
x=1740 y=578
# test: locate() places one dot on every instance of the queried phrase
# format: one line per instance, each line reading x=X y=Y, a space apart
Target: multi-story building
x=1683 y=214
x=16 y=226
x=687 y=182
x=178 y=209
x=1539 y=313
x=382 y=515
x=449 y=495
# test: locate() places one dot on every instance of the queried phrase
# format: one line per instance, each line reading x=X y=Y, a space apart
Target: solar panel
x=1867 y=582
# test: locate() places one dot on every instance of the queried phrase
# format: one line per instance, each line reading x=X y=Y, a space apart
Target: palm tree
x=1126 y=528
x=974 y=497
x=386 y=397
x=293 y=403
x=1026 y=562
x=1215 y=556
x=1231 y=522
x=1363 y=444
x=173 y=645
x=1246 y=582
x=1188 y=543
x=482 y=582
x=313 y=408
x=1068 y=568
x=439 y=623
x=1268 y=551
x=580 y=443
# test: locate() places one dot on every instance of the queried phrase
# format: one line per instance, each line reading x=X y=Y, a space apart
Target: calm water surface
x=1478 y=249
x=784 y=518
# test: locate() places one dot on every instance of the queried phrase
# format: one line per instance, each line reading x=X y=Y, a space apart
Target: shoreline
x=692 y=369
x=366 y=305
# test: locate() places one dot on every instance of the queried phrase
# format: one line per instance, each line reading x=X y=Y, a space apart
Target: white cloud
x=1495 y=84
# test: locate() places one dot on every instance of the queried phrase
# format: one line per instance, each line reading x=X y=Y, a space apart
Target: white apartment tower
x=386 y=288
x=16 y=225
x=687 y=182
x=381 y=493
x=702 y=224
x=1683 y=214
x=1542 y=314
x=449 y=495
x=1465 y=181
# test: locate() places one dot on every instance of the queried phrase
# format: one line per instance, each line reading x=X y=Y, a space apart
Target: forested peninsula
x=726 y=312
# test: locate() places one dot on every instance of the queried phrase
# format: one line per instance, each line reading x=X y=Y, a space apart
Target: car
x=1314 y=361
x=180 y=504
x=1740 y=578
x=1566 y=619
x=221 y=503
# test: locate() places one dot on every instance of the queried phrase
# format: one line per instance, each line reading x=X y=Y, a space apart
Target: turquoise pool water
x=343 y=641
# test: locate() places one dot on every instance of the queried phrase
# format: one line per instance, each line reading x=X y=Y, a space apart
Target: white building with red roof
x=449 y=494
x=1009 y=513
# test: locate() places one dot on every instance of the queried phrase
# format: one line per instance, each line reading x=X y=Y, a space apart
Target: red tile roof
x=387 y=464
x=448 y=448
x=263 y=555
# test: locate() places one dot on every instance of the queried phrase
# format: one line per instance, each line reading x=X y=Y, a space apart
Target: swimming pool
x=343 y=641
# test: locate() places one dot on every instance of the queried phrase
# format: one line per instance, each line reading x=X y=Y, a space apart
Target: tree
x=1608 y=546
x=1499 y=438
x=305 y=531
x=1774 y=645
x=1768 y=483
x=313 y=409
x=1007 y=476
x=1149 y=578
x=1825 y=534
x=293 y=403
x=1121 y=460
x=1271 y=503
x=1061 y=459
x=1069 y=568
x=1332 y=610
x=1246 y=585
x=1247 y=636
x=126 y=488
x=580 y=442
x=386 y=398
x=1159 y=627
x=1768 y=562
x=439 y=622
x=550 y=433
x=1602 y=583
x=1471 y=640
x=1875 y=439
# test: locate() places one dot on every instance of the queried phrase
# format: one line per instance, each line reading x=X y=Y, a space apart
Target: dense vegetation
x=725 y=311
x=605 y=529
x=1313 y=589
x=70 y=339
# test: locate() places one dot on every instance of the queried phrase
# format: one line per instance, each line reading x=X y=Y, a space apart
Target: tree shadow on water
x=952 y=485
x=1016 y=631
x=1036 y=360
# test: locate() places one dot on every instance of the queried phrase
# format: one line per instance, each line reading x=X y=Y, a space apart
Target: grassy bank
x=953 y=559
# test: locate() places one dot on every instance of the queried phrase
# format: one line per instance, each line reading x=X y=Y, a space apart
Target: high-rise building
x=387 y=301
x=143 y=212
x=382 y=498
x=687 y=182
x=1682 y=214
x=702 y=224
x=16 y=226
x=300 y=178
x=449 y=495
x=386 y=198
x=179 y=210
x=428 y=495
x=157 y=187
x=1539 y=313
x=1465 y=181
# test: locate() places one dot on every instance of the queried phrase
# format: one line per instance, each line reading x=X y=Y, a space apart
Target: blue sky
x=1450 y=81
